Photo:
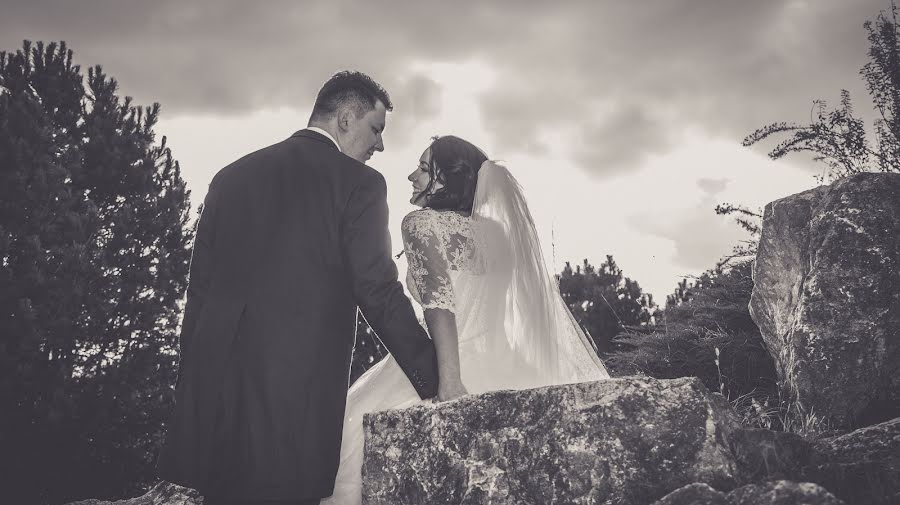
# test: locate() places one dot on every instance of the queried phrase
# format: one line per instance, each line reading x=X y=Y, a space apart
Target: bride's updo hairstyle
x=455 y=163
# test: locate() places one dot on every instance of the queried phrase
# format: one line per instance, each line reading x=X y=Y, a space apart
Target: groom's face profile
x=359 y=137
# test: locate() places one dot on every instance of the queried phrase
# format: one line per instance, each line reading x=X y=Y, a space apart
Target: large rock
x=623 y=441
x=768 y=493
x=694 y=494
x=782 y=493
x=860 y=467
x=826 y=297
x=763 y=455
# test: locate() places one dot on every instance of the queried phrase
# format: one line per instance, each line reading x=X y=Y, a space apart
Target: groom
x=292 y=238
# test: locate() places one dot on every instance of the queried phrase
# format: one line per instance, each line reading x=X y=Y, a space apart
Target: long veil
x=538 y=326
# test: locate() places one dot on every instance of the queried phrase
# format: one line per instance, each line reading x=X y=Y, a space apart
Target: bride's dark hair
x=455 y=163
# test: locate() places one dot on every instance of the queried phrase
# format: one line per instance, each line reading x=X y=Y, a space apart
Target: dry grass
x=780 y=414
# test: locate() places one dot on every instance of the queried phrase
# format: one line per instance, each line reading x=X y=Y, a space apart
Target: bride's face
x=420 y=179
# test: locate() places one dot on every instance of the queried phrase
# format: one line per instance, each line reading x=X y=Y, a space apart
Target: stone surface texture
x=694 y=494
x=780 y=492
x=861 y=467
x=763 y=455
x=826 y=297
x=624 y=441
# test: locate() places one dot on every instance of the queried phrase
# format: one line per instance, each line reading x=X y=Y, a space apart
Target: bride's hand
x=451 y=391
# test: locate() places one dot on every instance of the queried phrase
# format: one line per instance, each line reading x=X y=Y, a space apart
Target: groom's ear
x=343 y=118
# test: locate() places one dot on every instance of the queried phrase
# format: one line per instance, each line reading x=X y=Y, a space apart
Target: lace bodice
x=438 y=244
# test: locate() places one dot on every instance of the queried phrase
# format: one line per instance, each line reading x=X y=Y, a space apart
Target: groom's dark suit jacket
x=292 y=238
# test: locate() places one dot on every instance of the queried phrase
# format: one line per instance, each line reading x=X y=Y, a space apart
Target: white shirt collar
x=326 y=134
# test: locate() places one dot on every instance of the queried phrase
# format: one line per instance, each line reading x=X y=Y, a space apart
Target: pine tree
x=94 y=242
x=705 y=331
x=604 y=301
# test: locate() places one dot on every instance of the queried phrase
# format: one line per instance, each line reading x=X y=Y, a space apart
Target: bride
x=495 y=314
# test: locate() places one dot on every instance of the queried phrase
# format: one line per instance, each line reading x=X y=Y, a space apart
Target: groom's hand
x=451 y=391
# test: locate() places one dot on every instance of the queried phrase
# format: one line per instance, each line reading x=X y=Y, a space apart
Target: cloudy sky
x=623 y=120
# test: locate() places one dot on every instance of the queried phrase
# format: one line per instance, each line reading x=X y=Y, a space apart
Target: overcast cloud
x=622 y=77
x=647 y=101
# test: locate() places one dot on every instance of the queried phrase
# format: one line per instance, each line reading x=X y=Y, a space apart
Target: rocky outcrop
x=625 y=441
x=630 y=440
x=826 y=297
x=782 y=493
x=862 y=466
x=694 y=494
x=763 y=455
x=769 y=493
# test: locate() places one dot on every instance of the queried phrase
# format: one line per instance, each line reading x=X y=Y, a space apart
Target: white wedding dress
x=514 y=330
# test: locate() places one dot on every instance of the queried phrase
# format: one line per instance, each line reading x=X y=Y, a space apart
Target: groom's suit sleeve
x=200 y=272
x=367 y=248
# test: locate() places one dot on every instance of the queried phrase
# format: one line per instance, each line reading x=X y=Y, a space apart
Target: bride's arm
x=442 y=327
x=430 y=276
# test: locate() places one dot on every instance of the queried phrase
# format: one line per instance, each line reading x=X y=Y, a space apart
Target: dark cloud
x=620 y=138
x=650 y=68
x=723 y=67
x=712 y=187
x=220 y=57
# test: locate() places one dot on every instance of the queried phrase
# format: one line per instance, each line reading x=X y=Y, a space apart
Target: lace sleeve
x=429 y=269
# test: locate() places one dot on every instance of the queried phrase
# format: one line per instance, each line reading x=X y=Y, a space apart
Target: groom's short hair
x=349 y=89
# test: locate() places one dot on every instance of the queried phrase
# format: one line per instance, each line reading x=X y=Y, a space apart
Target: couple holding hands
x=292 y=241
